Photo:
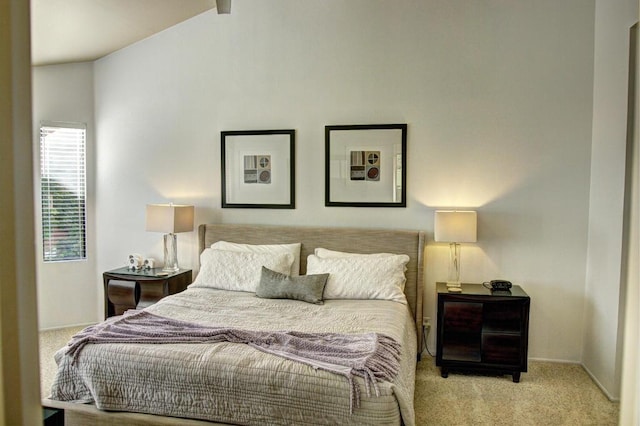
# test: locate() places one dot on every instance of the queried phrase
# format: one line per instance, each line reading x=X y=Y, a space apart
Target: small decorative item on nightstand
x=134 y=261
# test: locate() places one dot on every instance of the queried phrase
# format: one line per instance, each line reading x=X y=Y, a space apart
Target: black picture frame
x=266 y=181
x=366 y=165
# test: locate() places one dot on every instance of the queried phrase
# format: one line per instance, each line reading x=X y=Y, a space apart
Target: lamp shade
x=169 y=218
x=455 y=226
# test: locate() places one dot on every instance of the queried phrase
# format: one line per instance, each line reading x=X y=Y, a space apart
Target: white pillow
x=326 y=253
x=332 y=254
x=362 y=277
x=294 y=249
x=238 y=271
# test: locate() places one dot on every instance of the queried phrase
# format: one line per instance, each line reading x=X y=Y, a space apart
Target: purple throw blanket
x=373 y=357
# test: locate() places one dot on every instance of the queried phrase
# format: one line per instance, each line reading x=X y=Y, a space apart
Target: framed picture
x=366 y=165
x=258 y=169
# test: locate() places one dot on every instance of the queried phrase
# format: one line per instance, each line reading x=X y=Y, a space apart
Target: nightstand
x=482 y=330
x=126 y=288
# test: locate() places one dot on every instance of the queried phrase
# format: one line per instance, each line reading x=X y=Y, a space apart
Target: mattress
x=234 y=383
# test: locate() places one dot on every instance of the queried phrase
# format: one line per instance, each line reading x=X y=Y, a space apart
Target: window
x=63 y=191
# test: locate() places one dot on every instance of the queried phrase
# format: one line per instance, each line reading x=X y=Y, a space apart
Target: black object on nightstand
x=126 y=288
x=482 y=330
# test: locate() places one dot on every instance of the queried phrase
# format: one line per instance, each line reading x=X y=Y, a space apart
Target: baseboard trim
x=602 y=388
x=558 y=361
x=595 y=380
x=62 y=327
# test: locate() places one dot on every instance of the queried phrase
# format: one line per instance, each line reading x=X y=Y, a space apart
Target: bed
x=231 y=383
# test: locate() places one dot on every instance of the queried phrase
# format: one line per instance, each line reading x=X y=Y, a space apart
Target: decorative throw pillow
x=362 y=277
x=238 y=271
x=307 y=288
x=294 y=249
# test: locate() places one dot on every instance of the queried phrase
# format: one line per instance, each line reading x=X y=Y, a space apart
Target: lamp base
x=170 y=253
x=170 y=269
x=454 y=265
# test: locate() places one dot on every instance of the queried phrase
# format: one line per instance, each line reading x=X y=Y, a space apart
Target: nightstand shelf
x=125 y=288
x=484 y=331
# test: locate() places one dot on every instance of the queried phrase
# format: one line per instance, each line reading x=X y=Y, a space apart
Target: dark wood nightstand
x=482 y=330
x=126 y=288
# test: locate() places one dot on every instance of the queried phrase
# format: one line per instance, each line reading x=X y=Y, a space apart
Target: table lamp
x=171 y=219
x=455 y=227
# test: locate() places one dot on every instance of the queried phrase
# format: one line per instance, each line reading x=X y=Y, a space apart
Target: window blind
x=63 y=191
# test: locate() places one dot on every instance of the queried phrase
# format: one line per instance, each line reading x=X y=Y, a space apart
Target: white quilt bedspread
x=234 y=383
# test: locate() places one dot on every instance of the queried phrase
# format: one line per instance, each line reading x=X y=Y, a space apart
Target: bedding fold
x=372 y=356
x=240 y=383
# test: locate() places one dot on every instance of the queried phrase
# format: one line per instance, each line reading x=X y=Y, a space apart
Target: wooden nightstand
x=481 y=330
x=125 y=288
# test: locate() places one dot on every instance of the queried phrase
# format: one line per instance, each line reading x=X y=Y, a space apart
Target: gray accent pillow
x=307 y=288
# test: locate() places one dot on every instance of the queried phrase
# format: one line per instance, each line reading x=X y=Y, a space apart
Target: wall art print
x=258 y=169
x=366 y=165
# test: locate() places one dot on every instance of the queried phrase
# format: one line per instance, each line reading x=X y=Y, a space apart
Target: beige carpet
x=549 y=394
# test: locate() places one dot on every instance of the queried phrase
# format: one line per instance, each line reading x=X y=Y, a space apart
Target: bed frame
x=342 y=239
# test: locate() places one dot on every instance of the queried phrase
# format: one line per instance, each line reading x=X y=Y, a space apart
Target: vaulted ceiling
x=65 y=31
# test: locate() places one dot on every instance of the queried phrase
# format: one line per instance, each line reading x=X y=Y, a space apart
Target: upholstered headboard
x=343 y=239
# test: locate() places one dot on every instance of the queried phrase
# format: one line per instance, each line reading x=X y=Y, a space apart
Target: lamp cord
x=424 y=341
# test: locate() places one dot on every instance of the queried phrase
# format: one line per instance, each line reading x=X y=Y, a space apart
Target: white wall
x=497 y=97
x=602 y=333
x=65 y=93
